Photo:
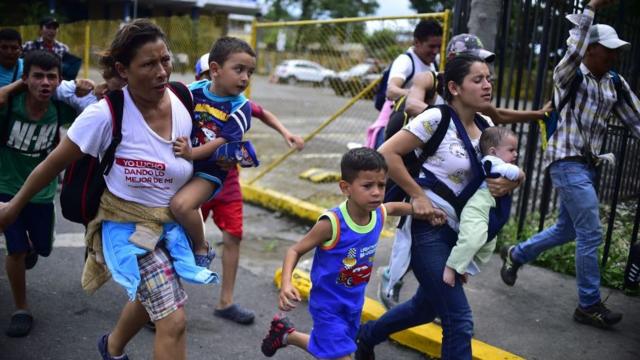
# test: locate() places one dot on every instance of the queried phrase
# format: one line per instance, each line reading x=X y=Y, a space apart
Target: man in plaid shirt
x=573 y=153
x=47 y=40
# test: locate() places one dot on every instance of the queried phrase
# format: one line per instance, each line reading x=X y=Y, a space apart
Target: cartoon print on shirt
x=430 y=125
x=351 y=275
x=435 y=160
x=457 y=149
x=205 y=132
x=458 y=176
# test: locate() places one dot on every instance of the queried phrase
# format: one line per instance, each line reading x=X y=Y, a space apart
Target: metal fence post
x=87 y=50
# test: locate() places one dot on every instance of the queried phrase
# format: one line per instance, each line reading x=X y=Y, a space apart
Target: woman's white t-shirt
x=450 y=163
x=145 y=169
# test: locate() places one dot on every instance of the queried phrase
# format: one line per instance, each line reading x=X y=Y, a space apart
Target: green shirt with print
x=29 y=142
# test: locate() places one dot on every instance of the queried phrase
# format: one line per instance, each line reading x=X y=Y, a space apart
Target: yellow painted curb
x=317 y=175
x=289 y=205
x=426 y=339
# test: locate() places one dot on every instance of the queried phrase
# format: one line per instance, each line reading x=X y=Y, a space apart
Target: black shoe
x=363 y=351
x=509 y=270
x=597 y=315
x=30 y=260
x=275 y=338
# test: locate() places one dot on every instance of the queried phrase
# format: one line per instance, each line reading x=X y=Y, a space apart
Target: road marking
x=73 y=240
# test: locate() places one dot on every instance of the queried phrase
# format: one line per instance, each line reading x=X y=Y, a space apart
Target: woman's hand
x=182 y=148
x=502 y=186
x=424 y=210
x=289 y=295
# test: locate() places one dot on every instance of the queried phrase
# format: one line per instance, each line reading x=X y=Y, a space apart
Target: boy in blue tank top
x=345 y=240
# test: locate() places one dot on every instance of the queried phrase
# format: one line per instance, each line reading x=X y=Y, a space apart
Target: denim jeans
x=578 y=219
x=430 y=249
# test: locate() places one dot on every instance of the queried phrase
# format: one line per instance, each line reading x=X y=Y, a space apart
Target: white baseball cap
x=606 y=36
x=202 y=65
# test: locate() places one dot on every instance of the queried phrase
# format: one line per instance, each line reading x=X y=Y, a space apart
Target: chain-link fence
x=320 y=80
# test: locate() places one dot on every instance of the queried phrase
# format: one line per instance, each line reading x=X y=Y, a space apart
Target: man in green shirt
x=29 y=125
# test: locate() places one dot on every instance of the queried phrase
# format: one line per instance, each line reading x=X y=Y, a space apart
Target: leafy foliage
x=319 y=9
x=429 y=6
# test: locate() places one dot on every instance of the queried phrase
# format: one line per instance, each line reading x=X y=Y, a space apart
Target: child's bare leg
x=298 y=339
x=17 y=278
x=171 y=337
x=132 y=318
x=185 y=206
x=230 y=259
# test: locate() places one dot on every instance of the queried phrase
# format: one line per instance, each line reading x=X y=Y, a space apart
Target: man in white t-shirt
x=427 y=40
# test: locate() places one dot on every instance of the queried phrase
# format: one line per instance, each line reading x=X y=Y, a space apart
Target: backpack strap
x=413 y=69
x=571 y=93
x=115 y=100
x=184 y=94
x=5 y=130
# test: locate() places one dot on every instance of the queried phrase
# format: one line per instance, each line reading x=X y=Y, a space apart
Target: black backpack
x=84 y=182
x=381 y=93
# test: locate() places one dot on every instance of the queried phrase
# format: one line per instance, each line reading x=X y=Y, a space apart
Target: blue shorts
x=334 y=333
x=210 y=171
x=34 y=223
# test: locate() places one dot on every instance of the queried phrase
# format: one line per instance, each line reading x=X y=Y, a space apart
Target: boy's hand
x=182 y=148
x=84 y=87
x=289 y=295
x=449 y=276
x=294 y=141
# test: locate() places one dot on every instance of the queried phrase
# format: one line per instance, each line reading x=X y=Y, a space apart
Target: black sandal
x=20 y=325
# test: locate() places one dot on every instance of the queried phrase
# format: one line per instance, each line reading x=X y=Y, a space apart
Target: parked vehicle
x=352 y=81
x=298 y=70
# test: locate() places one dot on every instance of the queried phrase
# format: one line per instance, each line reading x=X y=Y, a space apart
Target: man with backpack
x=596 y=93
x=396 y=81
x=29 y=125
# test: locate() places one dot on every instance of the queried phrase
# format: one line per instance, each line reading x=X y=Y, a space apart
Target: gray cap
x=468 y=44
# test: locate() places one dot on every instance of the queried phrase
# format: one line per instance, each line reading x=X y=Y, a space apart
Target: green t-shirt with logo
x=28 y=144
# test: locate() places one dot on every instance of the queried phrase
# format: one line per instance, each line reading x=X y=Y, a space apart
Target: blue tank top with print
x=343 y=265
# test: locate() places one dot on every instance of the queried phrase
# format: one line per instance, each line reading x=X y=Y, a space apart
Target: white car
x=294 y=71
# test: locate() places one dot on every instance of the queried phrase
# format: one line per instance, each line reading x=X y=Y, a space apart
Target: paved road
x=68 y=322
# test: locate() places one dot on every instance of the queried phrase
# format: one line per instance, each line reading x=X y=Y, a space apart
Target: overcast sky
x=394 y=7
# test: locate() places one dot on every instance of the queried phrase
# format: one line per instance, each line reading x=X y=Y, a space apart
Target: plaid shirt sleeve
x=629 y=112
x=577 y=44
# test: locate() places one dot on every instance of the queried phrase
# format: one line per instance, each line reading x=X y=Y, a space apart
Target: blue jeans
x=578 y=219
x=430 y=249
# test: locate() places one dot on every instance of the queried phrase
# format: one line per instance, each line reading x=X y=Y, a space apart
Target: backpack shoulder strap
x=431 y=146
x=115 y=100
x=621 y=93
x=6 y=127
x=413 y=69
x=570 y=96
x=184 y=94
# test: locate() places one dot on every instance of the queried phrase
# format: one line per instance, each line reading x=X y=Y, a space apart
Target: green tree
x=429 y=6
x=319 y=9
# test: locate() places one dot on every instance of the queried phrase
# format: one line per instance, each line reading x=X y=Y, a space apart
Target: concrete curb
x=426 y=339
x=287 y=204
